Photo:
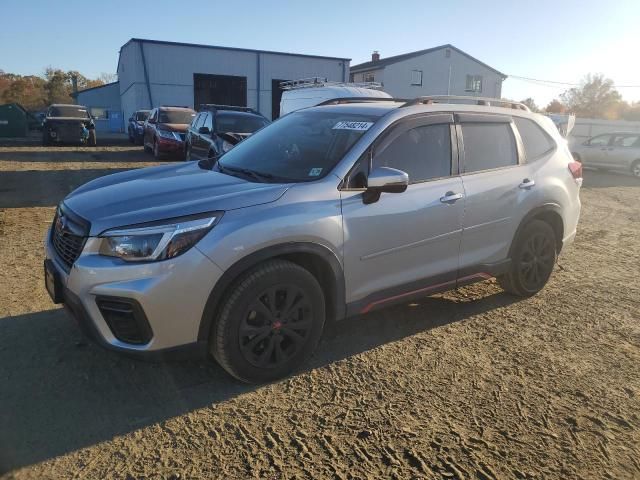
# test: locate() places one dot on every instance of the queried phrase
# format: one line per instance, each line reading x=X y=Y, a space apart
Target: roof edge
x=365 y=66
x=237 y=49
x=73 y=94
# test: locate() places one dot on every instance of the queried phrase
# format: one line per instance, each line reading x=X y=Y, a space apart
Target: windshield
x=300 y=147
x=142 y=116
x=176 y=116
x=69 y=111
x=228 y=122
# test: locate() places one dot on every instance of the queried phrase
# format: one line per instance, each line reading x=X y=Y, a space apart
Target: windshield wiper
x=259 y=176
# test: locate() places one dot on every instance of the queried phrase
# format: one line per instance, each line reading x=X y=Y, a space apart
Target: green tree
x=596 y=97
x=58 y=86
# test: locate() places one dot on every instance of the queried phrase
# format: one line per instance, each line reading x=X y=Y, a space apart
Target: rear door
x=404 y=243
x=149 y=124
x=594 y=152
x=624 y=150
x=499 y=189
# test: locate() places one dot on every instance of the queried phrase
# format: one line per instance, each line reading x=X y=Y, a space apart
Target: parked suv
x=330 y=212
x=218 y=128
x=611 y=151
x=136 y=126
x=164 y=131
x=68 y=124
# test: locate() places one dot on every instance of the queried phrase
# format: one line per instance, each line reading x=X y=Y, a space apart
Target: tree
x=107 y=77
x=555 y=106
x=58 y=87
x=529 y=102
x=596 y=97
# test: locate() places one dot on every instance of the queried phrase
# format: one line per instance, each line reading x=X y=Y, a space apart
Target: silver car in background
x=610 y=151
x=330 y=212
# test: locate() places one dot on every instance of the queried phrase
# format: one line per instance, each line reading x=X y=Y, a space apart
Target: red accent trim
x=483 y=275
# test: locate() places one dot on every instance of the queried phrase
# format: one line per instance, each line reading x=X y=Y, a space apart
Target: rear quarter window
x=536 y=141
x=488 y=146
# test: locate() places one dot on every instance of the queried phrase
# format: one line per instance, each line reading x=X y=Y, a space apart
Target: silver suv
x=330 y=212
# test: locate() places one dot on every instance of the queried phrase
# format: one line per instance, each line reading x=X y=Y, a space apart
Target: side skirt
x=427 y=286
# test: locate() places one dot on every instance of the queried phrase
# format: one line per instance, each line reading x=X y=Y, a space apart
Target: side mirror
x=384 y=180
x=204 y=130
x=131 y=119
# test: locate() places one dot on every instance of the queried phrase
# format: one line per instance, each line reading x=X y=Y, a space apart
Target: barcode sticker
x=359 y=126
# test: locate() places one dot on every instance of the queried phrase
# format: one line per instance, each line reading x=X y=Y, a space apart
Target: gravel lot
x=469 y=384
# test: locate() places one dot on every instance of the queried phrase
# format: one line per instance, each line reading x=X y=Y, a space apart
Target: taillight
x=576 y=171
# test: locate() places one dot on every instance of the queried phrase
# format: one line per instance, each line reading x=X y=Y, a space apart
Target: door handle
x=526 y=183
x=451 y=197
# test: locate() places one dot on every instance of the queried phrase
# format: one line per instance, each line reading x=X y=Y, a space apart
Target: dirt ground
x=470 y=384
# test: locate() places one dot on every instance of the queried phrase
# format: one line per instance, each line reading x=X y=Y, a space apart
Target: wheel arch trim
x=322 y=253
x=536 y=212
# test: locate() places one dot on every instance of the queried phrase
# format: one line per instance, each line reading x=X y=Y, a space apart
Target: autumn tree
x=555 y=106
x=529 y=102
x=596 y=97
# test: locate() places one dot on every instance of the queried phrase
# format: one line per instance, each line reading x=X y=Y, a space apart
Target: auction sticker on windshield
x=360 y=126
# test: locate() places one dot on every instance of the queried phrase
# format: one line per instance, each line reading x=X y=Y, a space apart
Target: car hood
x=174 y=127
x=168 y=191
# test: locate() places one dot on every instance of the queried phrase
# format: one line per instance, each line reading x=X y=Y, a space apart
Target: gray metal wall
x=170 y=70
x=396 y=77
x=107 y=97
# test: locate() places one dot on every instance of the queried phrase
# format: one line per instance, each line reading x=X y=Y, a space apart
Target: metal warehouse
x=153 y=73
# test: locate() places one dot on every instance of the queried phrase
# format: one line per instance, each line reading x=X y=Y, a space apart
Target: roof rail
x=345 y=100
x=467 y=100
x=314 y=82
x=213 y=106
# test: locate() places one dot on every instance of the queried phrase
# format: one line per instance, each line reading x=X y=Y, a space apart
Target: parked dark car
x=136 y=126
x=164 y=130
x=68 y=124
x=218 y=128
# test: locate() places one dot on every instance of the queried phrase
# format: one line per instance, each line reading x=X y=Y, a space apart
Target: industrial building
x=152 y=73
x=104 y=105
x=443 y=70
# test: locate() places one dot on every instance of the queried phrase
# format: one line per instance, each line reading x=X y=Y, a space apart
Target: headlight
x=169 y=135
x=158 y=240
x=226 y=146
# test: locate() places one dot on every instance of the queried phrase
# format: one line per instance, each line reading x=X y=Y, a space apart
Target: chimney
x=375 y=56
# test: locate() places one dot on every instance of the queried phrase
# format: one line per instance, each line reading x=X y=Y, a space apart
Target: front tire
x=270 y=324
x=533 y=259
x=91 y=139
x=156 y=151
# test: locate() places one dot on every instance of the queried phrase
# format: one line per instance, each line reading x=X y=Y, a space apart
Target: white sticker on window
x=359 y=126
x=314 y=172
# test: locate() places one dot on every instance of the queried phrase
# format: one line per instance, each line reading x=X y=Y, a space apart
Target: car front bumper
x=169 y=295
x=172 y=147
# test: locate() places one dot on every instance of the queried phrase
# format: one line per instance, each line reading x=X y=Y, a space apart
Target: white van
x=309 y=92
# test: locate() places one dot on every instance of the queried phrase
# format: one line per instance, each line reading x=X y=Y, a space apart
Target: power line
x=538 y=81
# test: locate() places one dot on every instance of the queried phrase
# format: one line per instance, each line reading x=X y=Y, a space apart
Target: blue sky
x=550 y=40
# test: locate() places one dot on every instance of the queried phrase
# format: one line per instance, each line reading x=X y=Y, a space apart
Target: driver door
x=404 y=244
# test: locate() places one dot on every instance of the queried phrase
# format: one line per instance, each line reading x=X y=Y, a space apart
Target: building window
x=368 y=77
x=99 y=113
x=416 y=77
x=474 y=83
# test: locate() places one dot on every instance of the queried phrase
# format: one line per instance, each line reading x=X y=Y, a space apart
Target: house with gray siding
x=443 y=70
x=104 y=105
x=153 y=73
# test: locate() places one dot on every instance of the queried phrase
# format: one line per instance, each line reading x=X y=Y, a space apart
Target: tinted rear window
x=227 y=122
x=488 y=146
x=536 y=141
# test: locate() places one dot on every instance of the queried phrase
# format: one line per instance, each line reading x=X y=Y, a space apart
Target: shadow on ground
x=60 y=394
x=74 y=155
x=602 y=179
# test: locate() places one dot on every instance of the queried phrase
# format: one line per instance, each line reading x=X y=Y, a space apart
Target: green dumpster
x=13 y=121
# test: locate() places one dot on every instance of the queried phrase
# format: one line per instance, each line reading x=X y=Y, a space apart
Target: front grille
x=68 y=236
x=71 y=131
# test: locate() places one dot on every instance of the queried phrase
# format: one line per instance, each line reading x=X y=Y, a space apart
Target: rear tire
x=635 y=169
x=533 y=259
x=270 y=323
